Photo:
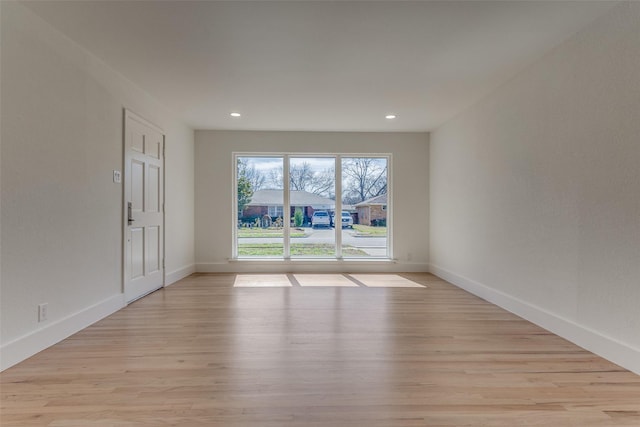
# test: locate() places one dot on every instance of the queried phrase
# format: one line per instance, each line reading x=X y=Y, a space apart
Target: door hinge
x=163 y=263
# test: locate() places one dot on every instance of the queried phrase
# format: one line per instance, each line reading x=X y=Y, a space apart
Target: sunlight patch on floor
x=386 y=281
x=261 y=281
x=324 y=280
x=336 y=280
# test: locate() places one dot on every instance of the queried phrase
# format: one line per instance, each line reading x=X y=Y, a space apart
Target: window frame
x=286 y=206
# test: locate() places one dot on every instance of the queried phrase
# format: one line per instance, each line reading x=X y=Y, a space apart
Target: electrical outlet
x=42 y=312
x=117 y=176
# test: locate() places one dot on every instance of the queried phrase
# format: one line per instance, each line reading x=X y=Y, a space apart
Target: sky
x=265 y=164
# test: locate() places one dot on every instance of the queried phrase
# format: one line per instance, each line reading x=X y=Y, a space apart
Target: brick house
x=373 y=210
x=270 y=202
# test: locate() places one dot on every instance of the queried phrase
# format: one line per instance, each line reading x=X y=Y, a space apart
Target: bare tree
x=254 y=176
x=365 y=177
x=302 y=177
x=275 y=178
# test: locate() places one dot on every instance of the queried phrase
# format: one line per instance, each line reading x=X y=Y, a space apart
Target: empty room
x=319 y=213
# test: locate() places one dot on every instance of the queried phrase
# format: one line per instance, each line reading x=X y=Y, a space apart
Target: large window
x=287 y=206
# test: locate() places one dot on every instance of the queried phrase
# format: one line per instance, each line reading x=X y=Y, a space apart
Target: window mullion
x=236 y=214
x=337 y=215
x=286 y=207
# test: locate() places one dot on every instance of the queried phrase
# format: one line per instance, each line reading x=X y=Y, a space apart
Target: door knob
x=129 y=216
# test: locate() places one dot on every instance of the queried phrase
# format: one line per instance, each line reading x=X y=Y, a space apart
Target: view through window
x=287 y=206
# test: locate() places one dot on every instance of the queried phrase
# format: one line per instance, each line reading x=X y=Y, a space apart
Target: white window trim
x=286 y=156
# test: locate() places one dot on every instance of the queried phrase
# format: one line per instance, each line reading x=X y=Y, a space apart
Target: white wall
x=535 y=191
x=61 y=216
x=179 y=204
x=214 y=201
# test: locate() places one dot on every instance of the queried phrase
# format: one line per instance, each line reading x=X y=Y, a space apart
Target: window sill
x=315 y=260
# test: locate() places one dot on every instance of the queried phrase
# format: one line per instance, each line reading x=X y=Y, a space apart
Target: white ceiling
x=318 y=65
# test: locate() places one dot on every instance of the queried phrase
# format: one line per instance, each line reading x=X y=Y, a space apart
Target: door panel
x=153 y=249
x=137 y=185
x=144 y=221
x=153 y=145
x=137 y=138
x=137 y=252
x=153 y=189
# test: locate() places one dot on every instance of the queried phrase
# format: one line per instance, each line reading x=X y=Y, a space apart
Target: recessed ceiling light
x=235 y=114
x=390 y=116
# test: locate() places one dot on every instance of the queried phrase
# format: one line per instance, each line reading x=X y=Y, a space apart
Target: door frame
x=124 y=212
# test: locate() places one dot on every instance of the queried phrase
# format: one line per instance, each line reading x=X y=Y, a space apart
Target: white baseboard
x=28 y=345
x=609 y=348
x=181 y=273
x=315 y=266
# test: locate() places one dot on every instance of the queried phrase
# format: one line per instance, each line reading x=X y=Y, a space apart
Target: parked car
x=347 y=220
x=320 y=219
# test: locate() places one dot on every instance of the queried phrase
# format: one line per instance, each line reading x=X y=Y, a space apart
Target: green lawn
x=367 y=230
x=297 y=249
x=267 y=232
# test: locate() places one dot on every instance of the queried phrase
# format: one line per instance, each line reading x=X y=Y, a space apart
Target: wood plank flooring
x=203 y=353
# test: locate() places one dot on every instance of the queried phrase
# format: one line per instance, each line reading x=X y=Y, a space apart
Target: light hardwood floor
x=203 y=353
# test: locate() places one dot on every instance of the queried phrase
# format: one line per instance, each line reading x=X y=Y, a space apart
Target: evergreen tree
x=245 y=189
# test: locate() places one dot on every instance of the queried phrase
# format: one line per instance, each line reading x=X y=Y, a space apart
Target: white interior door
x=144 y=207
